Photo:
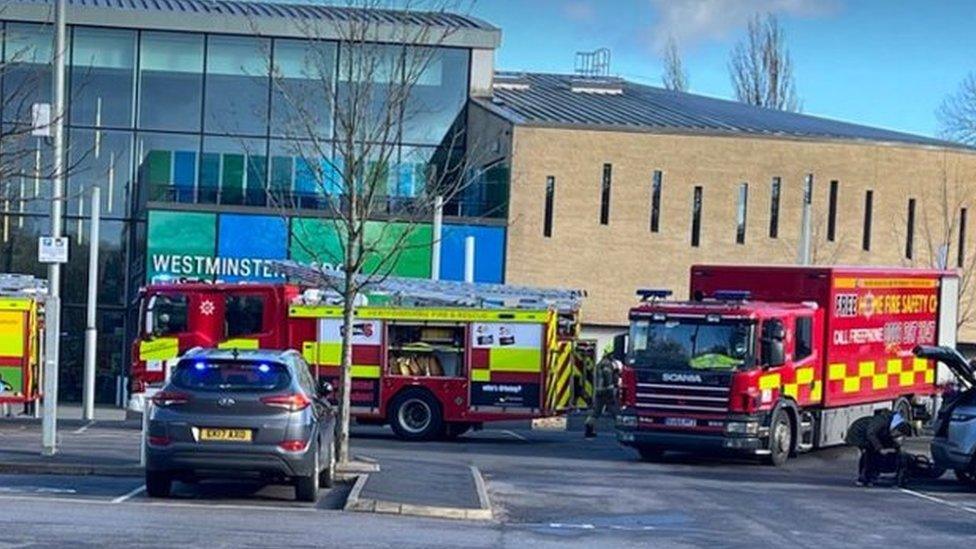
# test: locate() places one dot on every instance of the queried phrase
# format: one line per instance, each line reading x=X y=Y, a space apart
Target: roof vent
x=605 y=85
x=510 y=81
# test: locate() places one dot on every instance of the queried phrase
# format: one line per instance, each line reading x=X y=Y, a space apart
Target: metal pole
x=435 y=252
x=469 y=259
x=805 y=220
x=91 y=332
x=52 y=310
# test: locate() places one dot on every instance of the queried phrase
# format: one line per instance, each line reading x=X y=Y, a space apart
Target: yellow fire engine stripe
x=515 y=360
x=432 y=315
x=890 y=283
x=837 y=371
x=920 y=364
x=804 y=376
x=15 y=304
x=770 y=381
x=879 y=381
x=817 y=391
x=480 y=375
x=367 y=372
x=240 y=343
x=865 y=369
x=894 y=365
x=852 y=384
x=929 y=376
x=12 y=333
x=791 y=390
x=906 y=378
x=160 y=348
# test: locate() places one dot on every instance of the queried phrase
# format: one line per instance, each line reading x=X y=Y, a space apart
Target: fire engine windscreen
x=691 y=344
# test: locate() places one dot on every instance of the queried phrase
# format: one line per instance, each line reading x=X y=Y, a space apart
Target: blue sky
x=885 y=63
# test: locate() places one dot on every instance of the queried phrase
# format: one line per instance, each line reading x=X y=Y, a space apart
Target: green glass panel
x=232 y=180
x=179 y=243
x=158 y=170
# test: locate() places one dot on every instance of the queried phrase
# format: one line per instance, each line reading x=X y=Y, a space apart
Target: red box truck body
x=775 y=360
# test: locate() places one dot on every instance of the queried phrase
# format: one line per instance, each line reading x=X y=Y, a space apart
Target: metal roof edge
x=505 y=114
x=262 y=25
x=687 y=132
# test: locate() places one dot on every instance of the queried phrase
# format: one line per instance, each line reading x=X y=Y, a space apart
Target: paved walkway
x=109 y=447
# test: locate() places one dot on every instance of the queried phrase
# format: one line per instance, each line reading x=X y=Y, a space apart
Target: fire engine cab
x=431 y=358
x=773 y=361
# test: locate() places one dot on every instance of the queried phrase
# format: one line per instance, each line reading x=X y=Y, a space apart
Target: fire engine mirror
x=773 y=348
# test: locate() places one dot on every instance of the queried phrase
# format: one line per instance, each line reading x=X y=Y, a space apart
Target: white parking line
x=515 y=435
x=133 y=493
x=84 y=427
x=162 y=503
x=934 y=499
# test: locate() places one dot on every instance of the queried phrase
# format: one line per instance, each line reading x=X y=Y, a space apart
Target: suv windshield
x=209 y=375
x=692 y=343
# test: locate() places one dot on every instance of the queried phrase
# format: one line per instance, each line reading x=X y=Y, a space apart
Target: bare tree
x=957 y=113
x=761 y=69
x=675 y=76
x=374 y=97
x=938 y=233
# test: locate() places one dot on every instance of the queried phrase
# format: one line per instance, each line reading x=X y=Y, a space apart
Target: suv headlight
x=742 y=428
x=627 y=421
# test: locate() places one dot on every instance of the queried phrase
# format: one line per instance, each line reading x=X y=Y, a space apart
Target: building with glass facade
x=179 y=110
x=183 y=114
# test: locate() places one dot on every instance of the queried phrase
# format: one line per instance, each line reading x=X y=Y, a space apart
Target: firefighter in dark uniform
x=879 y=437
x=604 y=391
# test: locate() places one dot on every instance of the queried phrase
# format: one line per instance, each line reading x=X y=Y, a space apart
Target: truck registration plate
x=680 y=422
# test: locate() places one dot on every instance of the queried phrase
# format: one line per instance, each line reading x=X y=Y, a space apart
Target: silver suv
x=241 y=414
x=954 y=442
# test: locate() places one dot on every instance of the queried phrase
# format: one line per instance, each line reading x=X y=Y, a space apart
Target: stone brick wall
x=611 y=261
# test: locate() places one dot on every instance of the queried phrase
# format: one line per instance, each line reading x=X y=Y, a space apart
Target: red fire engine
x=460 y=355
x=778 y=360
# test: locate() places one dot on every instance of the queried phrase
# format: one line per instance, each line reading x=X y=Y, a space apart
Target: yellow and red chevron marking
x=879 y=375
x=801 y=384
x=559 y=379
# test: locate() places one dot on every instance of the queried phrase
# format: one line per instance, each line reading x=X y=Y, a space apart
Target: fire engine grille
x=666 y=397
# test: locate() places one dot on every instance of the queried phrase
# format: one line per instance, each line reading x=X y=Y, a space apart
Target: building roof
x=559 y=100
x=246 y=17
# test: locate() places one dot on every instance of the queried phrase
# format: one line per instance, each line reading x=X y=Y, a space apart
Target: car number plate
x=225 y=435
x=680 y=422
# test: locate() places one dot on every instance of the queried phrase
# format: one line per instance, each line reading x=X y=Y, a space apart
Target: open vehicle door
x=961 y=368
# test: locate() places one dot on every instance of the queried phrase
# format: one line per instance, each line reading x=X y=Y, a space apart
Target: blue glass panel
x=246 y=242
x=489 y=252
x=184 y=172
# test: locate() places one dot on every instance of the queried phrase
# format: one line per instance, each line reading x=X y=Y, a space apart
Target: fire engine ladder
x=449 y=293
x=420 y=291
x=21 y=285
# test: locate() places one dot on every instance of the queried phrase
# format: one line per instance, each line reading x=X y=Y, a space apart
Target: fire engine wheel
x=780 y=438
x=416 y=415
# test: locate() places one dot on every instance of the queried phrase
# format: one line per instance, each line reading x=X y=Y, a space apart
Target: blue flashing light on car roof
x=732 y=295
x=646 y=294
x=200 y=366
x=264 y=368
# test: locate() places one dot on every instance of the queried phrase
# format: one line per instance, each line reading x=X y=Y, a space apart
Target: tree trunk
x=348 y=309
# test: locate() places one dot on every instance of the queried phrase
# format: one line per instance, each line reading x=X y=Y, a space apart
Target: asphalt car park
x=549 y=487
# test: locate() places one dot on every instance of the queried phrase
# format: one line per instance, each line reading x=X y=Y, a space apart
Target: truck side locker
x=947 y=322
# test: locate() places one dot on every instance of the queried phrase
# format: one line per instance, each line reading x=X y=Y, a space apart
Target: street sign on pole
x=51 y=249
x=52 y=306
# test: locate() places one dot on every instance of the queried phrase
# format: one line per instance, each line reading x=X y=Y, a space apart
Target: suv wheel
x=158 y=484
x=416 y=415
x=307 y=487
